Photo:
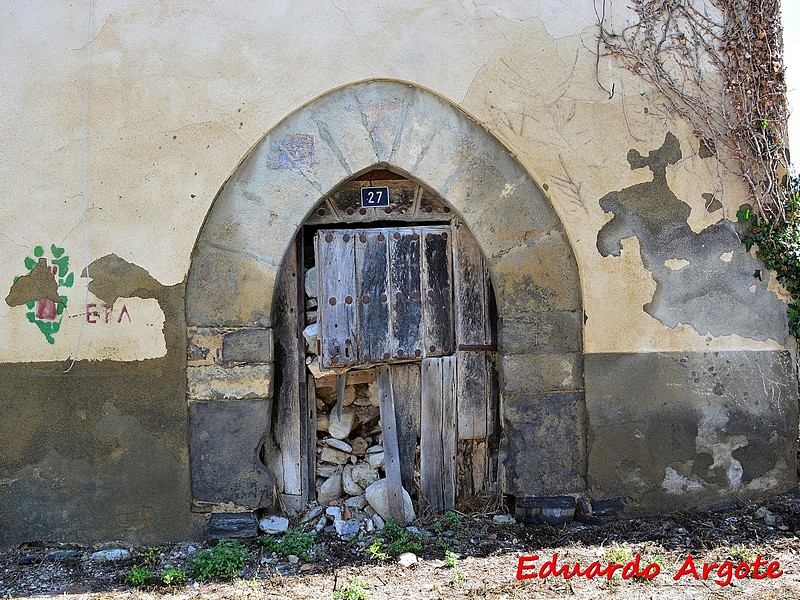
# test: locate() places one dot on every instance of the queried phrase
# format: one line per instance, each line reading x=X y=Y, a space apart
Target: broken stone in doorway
x=310 y=335
x=326 y=471
x=364 y=474
x=378 y=497
x=350 y=487
x=357 y=502
x=310 y=282
x=330 y=490
x=340 y=428
x=335 y=451
x=359 y=445
x=375 y=457
x=322 y=422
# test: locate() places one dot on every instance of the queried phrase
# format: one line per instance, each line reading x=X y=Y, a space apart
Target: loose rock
x=350 y=487
x=111 y=554
x=357 y=502
x=332 y=455
x=312 y=514
x=330 y=490
x=378 y=497
x=364 y=474
x=407 y=559
x=346 y=528
x=503 y=519
x=375 y=457
x=274 y=524
x=340 y=428
x=359 y=445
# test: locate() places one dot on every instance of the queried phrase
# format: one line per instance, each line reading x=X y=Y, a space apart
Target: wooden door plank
x=287 y=429
x=337 y=295
x=430 y=443
x=405 y=292
x=391 y=451
x=470 y=283
x=493 y=425
x=406 y=388
x=437 y=306
x=472 y=394
x=478 y=466
x=374 y=339
x=449 y=427
x=464 y=484
x=310 y=458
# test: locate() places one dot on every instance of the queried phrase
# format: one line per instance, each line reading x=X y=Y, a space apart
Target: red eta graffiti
x=722 y=574
x=93 y=314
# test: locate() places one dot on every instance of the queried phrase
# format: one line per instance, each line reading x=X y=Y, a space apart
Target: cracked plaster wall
x=178 y=94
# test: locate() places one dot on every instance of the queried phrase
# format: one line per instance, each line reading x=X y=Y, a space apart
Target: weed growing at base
x=355 y=589
x=394 y=541
x=224 y=561
x=294 y=542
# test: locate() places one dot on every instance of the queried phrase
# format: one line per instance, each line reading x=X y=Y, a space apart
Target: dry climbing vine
x=719 y=64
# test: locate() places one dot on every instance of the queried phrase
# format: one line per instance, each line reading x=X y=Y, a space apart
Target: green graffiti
x=46 y=314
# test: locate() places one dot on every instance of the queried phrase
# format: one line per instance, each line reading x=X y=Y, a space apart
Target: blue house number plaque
x=374 y=196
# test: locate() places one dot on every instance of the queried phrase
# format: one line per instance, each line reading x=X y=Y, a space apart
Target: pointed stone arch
x=254 y=221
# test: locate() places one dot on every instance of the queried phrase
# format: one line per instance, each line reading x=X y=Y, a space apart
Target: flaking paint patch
x=677 y=484
x=39 y=284
x=126 y=316
x=676 y=264
x=711 y=295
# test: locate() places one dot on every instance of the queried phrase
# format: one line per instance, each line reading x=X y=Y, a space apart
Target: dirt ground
x=486 y=566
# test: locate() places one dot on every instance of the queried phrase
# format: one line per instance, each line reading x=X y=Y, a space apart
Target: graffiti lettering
x=93 y=314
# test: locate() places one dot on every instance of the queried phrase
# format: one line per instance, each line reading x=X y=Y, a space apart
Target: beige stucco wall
x=178 y=92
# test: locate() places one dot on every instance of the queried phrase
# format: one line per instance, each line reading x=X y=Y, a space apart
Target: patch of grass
x=394 y=541
x=151 y=556
x=293 y=542
x=138 y=576
x=171 y=575
x=355 y=589
x=451 y=561
x=743 y=553
x=224 y=561
x=451 y=521
x=375 y=550
x=619 y=555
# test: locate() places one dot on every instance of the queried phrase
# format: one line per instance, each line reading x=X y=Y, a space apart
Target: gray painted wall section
x=671 y=430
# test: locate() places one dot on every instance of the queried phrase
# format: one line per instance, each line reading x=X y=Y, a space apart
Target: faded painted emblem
x=40 y=289
x=295 y=151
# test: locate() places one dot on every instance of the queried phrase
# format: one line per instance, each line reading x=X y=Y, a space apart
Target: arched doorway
x=236 y=310
x=398 y=316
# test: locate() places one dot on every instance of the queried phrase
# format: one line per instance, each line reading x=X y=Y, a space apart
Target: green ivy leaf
x=38 y=252
x=30 y=263
x=57 y=252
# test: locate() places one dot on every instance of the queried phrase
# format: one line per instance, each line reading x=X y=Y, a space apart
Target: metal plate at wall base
x=232 y=525
x=550 y=510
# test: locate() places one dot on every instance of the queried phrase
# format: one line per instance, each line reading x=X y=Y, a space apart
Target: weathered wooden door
x=385 y=295
x=417 y=299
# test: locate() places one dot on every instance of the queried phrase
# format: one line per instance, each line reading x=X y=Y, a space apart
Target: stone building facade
x=591 y=327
